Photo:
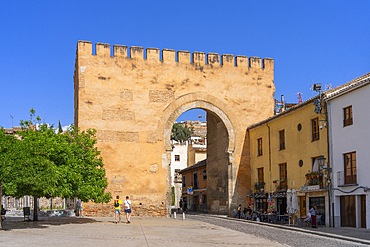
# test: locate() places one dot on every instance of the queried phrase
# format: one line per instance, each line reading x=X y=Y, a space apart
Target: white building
x=179 y=158
x=348 y=118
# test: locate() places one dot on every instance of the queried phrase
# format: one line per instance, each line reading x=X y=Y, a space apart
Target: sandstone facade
x=132 y=98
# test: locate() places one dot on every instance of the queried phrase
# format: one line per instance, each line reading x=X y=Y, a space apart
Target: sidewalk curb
x=292 y=228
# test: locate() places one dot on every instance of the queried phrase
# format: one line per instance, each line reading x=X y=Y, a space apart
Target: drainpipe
x=329 y=165
x=269 y=141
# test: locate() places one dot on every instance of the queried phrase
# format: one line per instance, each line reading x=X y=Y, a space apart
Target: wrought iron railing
x=343 y=180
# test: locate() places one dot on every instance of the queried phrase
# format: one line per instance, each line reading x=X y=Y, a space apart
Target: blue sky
x=312 y=41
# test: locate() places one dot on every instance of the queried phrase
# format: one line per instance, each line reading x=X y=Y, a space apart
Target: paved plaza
x=146 y=231
x=68 y=231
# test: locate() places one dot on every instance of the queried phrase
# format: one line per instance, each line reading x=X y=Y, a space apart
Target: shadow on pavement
x=43 y=222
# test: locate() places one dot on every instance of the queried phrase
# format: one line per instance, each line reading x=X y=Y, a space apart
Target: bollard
x=183 y=216
x=174 y=215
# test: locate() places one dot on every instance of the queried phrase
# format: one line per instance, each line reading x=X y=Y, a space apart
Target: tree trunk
x=35 y=209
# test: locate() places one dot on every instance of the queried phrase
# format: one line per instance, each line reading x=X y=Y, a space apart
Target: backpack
x=116 y=204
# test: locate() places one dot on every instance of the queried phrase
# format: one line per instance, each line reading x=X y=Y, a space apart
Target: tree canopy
x=42 y=162
x=181 y=132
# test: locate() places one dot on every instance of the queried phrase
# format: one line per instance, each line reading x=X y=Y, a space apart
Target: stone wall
x=132 y=96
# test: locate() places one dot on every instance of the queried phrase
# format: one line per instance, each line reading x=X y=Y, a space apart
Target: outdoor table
x=268 y=218
x=283 y=218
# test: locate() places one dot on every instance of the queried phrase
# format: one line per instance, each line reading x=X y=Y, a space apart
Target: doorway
x=348 y=211
x=363 y=211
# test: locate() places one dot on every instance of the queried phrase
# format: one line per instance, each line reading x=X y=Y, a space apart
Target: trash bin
x=26 y=213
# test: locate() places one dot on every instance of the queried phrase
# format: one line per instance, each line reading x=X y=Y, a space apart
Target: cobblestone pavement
x=194 y=231
x=153 y=232
x=293 y=235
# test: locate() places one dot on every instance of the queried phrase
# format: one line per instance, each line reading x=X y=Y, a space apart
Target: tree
x=45 y=163
x=83 y=170
x=6 y=143
x=181 y=132
x=60 y=129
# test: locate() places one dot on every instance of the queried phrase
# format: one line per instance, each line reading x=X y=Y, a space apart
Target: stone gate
x=132 y=96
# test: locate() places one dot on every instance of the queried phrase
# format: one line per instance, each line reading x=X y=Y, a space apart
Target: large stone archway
x=221 y=140
x=132 y=101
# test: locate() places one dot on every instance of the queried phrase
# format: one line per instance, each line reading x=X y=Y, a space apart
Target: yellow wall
x=298 y=146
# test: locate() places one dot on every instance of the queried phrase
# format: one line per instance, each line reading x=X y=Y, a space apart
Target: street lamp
x=321 y=162
x=324 y=167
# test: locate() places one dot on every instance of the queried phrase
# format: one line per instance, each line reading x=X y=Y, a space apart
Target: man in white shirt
x=127 y=206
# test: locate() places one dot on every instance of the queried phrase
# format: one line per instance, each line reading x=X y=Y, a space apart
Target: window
x=315 y=164
x=315 y=129
x=260 y=185
x=260 y=175
x=204 y=173
x=350 y=173
x=177 y=157
x=347 y=116
x=283 y=176
x=282 y=139
x=259 y=144
x=195 y=179
x=183 y=181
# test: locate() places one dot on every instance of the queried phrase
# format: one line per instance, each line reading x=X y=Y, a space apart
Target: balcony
x=314 y=178
x=259 y=186
x=343 y=180
x=281 y=185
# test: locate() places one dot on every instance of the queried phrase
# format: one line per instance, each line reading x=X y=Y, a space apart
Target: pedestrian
x=313 y=216
x=117 y=210
x=79 y=208
x=181 y=204
x=127 y=205
x=3 y=212
x=239 y=212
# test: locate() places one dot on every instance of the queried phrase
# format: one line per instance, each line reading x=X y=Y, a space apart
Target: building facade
x=284 y=154
x=349 y=118
x=194 y=187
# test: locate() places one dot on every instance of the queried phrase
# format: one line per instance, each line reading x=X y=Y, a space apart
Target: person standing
x=313 y=216
x=79 y=208
x=181 y=205
x=239 y=213
x=117 y=210
x=127 y=205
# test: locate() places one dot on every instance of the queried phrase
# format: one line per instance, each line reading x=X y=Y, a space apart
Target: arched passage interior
x=220 y=146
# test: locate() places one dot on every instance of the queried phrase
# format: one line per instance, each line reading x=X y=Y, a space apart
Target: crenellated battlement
x=171 y=56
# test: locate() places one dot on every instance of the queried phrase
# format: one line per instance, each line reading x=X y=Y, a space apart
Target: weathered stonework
x=118 y=114
x=161 y=95
x=117 y=136
x=132 y=101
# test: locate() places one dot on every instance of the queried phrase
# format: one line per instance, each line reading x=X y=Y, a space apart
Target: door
x=281 y=206
x=363 y=211
x=348 y=211
x=302 y=206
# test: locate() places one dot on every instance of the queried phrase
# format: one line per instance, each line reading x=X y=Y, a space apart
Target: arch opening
x=209 y=183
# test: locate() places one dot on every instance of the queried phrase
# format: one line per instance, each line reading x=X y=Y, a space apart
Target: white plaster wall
x=182 y=150
x=355 y=137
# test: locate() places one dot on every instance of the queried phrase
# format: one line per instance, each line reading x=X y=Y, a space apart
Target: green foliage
x=60 y=129
x=44 y=163
x=181 y=133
